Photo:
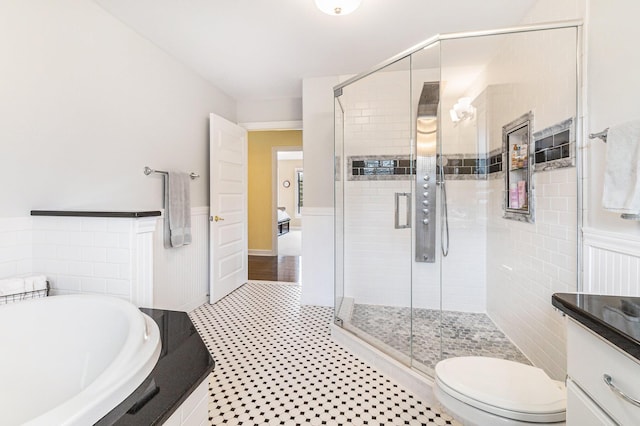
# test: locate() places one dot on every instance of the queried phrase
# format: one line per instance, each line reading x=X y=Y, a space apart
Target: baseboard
x=261 y=252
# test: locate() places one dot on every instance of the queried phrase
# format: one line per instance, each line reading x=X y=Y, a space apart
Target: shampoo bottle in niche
x=522 y=194
x=513 y=196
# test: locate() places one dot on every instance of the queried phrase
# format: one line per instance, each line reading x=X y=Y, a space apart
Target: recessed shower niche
x=517 y=146
x=475 y=283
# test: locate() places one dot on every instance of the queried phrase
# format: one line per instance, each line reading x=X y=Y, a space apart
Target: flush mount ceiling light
x=337 y=7
x=462 y=110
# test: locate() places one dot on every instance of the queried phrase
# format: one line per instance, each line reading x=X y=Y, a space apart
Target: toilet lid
x=505 y=388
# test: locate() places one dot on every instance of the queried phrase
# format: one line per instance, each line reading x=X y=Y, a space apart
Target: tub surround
x=184 y=364
x=82 y=213
x=598 y=313
x=97 y=252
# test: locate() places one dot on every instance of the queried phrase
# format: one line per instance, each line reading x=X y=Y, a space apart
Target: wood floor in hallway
x=275 y=268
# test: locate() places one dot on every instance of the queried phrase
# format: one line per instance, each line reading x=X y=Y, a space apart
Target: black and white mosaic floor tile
x=276 y=364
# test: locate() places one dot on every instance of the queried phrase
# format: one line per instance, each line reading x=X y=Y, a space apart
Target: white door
x=228 y=207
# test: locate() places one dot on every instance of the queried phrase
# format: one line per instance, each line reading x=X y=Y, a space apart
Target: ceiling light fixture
x=337 y=7
x=462 y=110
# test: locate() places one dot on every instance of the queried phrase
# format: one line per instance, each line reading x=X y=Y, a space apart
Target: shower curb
x=413 y=381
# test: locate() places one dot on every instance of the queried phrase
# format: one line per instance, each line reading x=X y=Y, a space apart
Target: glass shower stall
x=443 y=159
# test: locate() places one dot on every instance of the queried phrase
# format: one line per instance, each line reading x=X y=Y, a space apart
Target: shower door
x=386 y=197
x=374 y=200
x=428 y=266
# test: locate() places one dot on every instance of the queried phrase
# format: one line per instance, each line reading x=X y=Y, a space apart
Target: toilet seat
x=504 y=388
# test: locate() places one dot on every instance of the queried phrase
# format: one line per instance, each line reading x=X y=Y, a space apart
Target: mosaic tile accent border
x=457 y=167
x=555 y=146
x=381 y=167
x=473 y=167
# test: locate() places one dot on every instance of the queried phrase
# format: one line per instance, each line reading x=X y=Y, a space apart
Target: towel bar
x=149 y=170
x=601 y=135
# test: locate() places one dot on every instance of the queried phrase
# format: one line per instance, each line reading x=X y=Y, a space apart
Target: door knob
x=217 y=218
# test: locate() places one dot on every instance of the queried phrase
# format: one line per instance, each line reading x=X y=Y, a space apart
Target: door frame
x=274 y=191
x=261 y=126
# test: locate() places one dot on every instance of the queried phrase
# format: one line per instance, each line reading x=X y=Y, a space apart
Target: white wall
x=270 y=110
x=317 y=142
x=86 y=103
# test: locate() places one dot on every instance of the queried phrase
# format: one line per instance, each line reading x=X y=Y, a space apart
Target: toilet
x=483 y=391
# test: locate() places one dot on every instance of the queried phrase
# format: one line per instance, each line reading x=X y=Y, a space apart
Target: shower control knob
x=425 y=202
x=426 y=178
x=425 y=211
x=425 y=221
x=426 y=194
x=425 y=186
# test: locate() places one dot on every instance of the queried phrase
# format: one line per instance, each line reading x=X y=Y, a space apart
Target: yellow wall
x=260 y=185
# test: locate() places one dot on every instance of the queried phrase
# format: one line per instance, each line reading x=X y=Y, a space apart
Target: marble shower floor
x=463 y=334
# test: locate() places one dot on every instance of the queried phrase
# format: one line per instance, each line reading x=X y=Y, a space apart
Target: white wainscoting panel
x=611 y=263
x=317 y=256
x=181 y=275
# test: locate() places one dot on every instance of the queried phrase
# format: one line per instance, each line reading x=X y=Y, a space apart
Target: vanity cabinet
x=589 y=360
x=603 y=359
x=519 y=161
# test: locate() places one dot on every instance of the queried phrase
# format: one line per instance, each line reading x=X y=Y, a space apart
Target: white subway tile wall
x=527 y=263
x=84 y=255
x=15 y=247
x=378 y=264
x=95 y=255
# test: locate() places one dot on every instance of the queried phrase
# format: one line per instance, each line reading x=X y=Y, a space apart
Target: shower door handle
x=398 y=213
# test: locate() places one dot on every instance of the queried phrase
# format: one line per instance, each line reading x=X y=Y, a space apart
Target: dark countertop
x=184 y=363
x=614 y=318
x=80 y=213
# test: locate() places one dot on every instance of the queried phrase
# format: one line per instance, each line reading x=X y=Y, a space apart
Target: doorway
x=275 y=198
x=289 y=191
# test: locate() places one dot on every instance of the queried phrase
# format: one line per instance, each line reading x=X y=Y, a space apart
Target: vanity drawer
x=590 y=358
x=582 y=411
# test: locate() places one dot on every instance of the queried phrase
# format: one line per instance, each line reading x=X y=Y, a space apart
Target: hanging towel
x=177 y=210
x=622 y=175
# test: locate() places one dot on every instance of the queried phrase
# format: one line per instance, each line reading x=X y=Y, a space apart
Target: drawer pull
x=608 y=381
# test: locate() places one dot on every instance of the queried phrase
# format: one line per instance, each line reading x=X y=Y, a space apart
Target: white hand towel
x=177 y=210
x=11 y=286
x=35 y=283
x=622 y=174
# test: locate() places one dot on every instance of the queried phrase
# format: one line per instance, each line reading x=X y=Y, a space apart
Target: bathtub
x=68 y=360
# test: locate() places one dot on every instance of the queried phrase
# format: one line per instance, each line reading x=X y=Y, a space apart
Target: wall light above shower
x=462 y=110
